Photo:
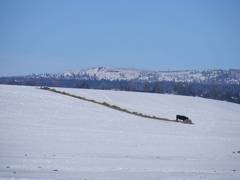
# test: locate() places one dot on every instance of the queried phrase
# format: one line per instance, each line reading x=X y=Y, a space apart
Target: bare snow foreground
x=44 y=135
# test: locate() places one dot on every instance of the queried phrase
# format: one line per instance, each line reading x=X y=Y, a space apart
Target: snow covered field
x=44 y=135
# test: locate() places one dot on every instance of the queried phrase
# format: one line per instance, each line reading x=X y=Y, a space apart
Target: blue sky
x=55 y=36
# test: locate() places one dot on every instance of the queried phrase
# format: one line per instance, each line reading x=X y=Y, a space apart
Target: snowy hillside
x=51 y=136
x=214 y=84
x=103 y=73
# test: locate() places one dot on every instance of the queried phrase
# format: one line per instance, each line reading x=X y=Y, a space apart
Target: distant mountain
x=231 y=76
x=214 y=84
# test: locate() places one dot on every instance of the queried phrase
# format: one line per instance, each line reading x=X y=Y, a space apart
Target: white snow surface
x=41 y=131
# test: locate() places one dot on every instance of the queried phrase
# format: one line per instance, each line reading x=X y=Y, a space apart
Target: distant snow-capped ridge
x=231 y=76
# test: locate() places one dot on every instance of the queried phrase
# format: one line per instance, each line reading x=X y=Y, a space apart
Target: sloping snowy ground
x=44 y=135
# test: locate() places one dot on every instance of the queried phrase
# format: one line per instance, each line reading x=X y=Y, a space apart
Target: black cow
x=180 y=117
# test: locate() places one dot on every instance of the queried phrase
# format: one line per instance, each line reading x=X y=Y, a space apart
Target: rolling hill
x=44 y=135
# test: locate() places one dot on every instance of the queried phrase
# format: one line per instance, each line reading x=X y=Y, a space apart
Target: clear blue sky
x=53 y=35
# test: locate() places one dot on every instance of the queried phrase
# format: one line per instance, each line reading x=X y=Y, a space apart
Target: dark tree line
x=226 y=92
